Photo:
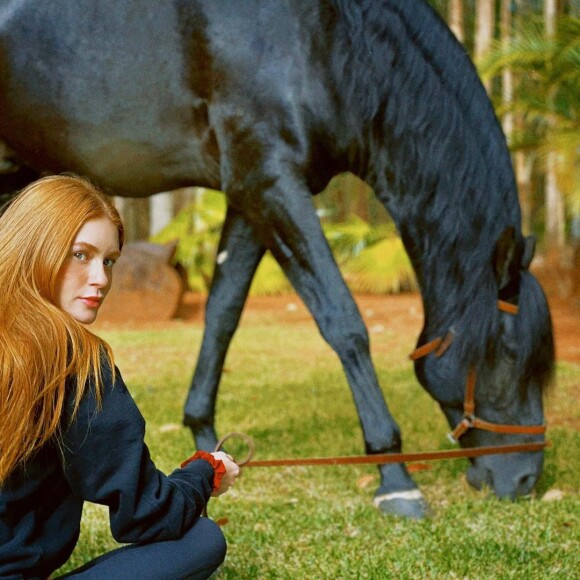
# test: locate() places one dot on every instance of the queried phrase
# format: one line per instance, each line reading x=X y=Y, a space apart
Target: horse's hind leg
x=238 y=257
x=286 y=221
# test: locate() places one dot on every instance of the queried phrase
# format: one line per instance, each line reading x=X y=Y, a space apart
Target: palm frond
x=383 y=268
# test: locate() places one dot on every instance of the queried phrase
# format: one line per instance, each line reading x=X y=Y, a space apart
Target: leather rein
x=438 y=346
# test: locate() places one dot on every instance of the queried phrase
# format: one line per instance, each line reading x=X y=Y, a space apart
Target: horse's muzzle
x=511 y=476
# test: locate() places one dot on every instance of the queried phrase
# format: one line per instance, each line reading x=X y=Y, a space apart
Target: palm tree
x=547 y=97
x=555 y=216
x=484 y=31
x=456 y=19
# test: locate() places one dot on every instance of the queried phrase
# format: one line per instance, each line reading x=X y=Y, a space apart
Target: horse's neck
x=435 y=153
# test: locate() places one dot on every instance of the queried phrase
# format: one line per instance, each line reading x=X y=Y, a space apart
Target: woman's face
x=85 y=277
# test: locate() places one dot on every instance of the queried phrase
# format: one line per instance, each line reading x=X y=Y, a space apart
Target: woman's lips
x=91 y=301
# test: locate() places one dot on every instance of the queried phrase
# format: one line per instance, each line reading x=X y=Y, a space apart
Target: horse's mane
x=439 y=158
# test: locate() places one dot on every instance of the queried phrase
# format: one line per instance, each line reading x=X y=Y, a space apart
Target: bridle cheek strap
x=438 y=346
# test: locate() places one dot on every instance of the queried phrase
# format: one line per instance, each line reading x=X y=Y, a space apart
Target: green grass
x=285 y=388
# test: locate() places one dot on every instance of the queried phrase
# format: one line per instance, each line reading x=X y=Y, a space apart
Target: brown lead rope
x=379 y=458
x=438 y=346
x=383 y=458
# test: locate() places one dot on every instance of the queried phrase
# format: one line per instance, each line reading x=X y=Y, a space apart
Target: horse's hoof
x=408 y=504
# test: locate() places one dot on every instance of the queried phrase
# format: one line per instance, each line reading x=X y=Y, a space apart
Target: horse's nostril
x=526 y=484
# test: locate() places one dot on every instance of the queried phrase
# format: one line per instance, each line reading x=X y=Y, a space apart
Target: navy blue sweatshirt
x=103 y=459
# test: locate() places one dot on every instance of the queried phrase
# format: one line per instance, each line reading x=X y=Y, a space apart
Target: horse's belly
x=92 y=92
x=136 y=166
x=128 y=161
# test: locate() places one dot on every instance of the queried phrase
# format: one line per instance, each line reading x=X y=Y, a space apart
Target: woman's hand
x=232 y=471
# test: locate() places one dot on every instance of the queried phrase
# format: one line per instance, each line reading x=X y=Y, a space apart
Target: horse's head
x=489 y=380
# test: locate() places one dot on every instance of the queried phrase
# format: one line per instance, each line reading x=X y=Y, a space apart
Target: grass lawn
x=285 y=388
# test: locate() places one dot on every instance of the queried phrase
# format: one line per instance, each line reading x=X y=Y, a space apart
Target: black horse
x=267 y=101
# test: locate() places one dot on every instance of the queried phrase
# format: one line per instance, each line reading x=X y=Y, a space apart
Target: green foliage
x=547 y=99
x=382 y=268
x=371 y=257
x=197 y=229
x=286 y=389
x=349 y=238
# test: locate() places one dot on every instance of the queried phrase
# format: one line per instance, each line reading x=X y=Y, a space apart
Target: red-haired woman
x=69 y=430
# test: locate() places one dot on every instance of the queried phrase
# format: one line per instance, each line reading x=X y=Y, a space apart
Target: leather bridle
x=438 y=346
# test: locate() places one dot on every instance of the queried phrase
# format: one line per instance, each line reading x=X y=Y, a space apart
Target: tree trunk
x=555 y=218
x=550 y=12
x=456 y=22
x=523 y=161
x=522 y=167
x=119 y=203
x=160 y=211
x=507 y=83
x=484 y=31
x=523 y=170
x=135 y=215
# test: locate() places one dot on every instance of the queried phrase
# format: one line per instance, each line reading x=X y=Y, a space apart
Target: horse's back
x=144 y=96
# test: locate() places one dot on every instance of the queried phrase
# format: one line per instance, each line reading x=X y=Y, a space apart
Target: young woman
x=69 y=429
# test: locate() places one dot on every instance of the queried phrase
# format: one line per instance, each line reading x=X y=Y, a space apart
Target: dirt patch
x=560 y=279
x=566 y=321
x=399 y=313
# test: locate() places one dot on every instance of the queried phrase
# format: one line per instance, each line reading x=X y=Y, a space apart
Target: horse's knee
x=197 y=418
x=347 y=335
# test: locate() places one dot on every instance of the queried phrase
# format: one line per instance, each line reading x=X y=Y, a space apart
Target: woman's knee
x=208 y=542
x=219 y=544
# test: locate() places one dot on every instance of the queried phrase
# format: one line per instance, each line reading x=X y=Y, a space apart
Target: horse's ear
x=529 y=250
x=503 y=256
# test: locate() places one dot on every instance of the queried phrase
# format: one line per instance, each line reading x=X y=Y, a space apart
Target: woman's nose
x=99 y=275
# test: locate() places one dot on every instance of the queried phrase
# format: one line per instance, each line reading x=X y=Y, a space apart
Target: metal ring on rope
x=247 y=440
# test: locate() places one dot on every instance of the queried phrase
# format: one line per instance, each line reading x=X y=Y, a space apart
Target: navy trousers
x=196 y=555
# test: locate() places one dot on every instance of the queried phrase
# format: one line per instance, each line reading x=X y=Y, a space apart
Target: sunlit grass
x=285 y=388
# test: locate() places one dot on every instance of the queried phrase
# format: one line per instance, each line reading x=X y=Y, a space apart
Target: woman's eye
x=109 y=262
x=80 y=256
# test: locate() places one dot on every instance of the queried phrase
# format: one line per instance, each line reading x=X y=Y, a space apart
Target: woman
x=69 y=429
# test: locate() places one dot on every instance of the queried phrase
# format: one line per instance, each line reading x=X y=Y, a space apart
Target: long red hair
x=40 y=345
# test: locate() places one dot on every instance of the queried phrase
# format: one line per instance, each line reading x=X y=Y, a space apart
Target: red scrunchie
x=219 y=469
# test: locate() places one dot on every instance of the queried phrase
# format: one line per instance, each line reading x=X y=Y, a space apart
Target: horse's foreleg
x=238 y=257
x=295 y=237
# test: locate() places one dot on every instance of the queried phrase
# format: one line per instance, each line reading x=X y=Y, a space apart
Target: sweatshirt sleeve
x=106 y=461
